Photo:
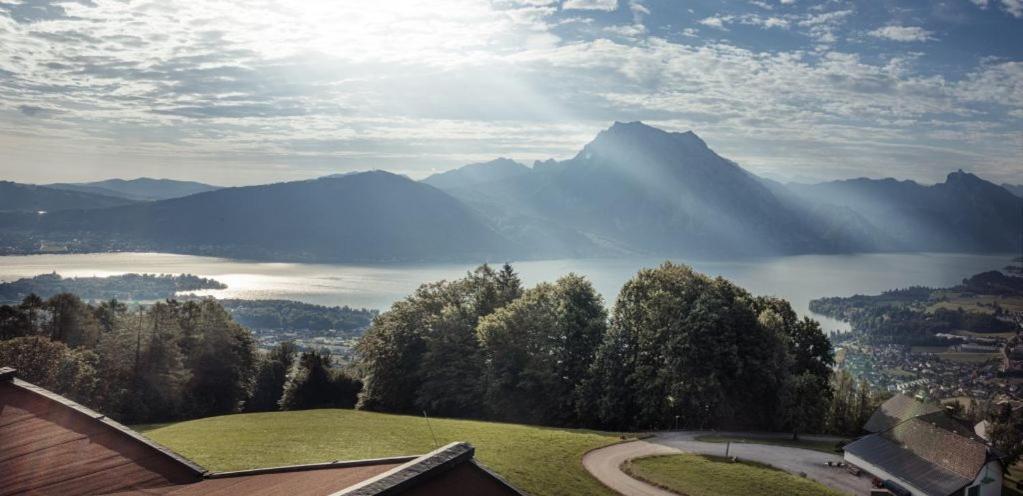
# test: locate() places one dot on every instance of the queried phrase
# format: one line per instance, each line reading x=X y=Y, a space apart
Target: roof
x=929 y=449
x=904 y=464
x=52 y=445
x=898 y=408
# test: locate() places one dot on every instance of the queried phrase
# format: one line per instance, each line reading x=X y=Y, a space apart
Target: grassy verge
x=823 y=446
x=541 y=461
x=700 y=475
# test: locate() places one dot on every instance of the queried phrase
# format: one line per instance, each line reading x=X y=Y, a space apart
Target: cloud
x=903 y=33
x=1013 y=7
x=608 y=5
x=256 y=92
x=714 y=22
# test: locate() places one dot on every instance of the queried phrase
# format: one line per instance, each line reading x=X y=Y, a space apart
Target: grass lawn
x=699 y=475
x=538 y=460
x=824 y=446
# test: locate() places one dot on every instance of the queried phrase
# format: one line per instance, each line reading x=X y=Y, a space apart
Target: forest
x=134 y=287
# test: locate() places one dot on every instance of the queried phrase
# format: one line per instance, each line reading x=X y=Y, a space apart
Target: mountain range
x=633 y=190
x=139 y=189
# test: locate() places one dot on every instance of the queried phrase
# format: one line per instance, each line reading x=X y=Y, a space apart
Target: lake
x=796 y=278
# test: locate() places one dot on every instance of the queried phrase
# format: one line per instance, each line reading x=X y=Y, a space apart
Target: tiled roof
x=906 y=465
x=935 y=443
x=897 y=409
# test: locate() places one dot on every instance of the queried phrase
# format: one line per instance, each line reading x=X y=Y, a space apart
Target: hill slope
x=964 y=213
x=372 y=216
x=538 y=460
x=32 y=198
x=140 y=189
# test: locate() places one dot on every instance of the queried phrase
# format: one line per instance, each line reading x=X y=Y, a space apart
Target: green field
x=824 y=446
x=537 y=460
x=968 y=357
x=698 y=475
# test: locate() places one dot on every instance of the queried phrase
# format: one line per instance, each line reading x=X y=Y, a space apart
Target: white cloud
x=607 y=5
x=1013 y=7
x=714 y=22
x=903 y=33
x=265 y=93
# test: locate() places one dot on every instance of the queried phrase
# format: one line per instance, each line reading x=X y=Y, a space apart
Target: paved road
x=605 y=463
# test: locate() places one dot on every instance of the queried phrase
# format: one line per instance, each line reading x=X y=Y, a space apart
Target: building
x=919 y=449
x=52 y=445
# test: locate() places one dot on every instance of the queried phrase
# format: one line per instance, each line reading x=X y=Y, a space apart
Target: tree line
x=167 y=361
x=677 y=349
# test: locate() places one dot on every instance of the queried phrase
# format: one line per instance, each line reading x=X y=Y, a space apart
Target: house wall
x=881 y=474
x=993 y=470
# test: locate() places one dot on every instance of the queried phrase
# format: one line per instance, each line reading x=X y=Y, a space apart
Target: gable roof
x=898 y=408
x=929 y=449
x=906 y=465
x=52 y=445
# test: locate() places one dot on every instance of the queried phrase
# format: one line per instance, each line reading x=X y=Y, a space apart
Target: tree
x=313 y=384
x=423 y=353
x=109 y=312
x=805 y=403
x=539 y=349
x=52 y=365
x=1006 y=432
x=696 y=350
x=271 y=374
x=221 y=358
x=71 y=321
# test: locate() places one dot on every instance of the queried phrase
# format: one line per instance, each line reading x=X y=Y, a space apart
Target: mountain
x=639 y=189
x=32 y=198
x=501 y=169
x=370 y=216
x=140 y=189
x=964 y=213
x=1016 y=189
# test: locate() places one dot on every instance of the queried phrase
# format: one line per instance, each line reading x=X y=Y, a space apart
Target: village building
x=919 y=449
x=52 y=445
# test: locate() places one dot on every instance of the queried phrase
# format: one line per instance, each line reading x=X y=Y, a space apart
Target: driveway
x=605 y=463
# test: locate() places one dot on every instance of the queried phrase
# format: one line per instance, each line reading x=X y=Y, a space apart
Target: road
x=605 y=463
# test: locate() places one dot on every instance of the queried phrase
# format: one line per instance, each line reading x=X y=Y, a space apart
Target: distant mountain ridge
x=32 y=198
x=371 y=216
x=500 y=169
x=139 y=189
x=633 y=190
x=964 y=213
x=1016 y=189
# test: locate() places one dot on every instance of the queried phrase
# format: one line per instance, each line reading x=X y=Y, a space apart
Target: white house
x=917 y=449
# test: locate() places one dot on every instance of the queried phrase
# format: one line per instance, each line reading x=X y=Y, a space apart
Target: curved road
x=605 y=463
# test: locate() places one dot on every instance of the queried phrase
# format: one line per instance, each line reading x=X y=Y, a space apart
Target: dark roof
x=51 y=445
x=906 y=465
x=928 y=448
x=898 y=408
x=934 y=442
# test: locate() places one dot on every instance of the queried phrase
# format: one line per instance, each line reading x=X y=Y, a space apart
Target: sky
x=255 y=91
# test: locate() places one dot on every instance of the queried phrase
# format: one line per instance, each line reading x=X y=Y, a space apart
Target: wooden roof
x=51 y=445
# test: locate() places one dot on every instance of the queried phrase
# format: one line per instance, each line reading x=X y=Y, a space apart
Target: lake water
x=797 y=279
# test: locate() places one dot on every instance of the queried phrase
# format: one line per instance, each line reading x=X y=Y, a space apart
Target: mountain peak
x=640 y=130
